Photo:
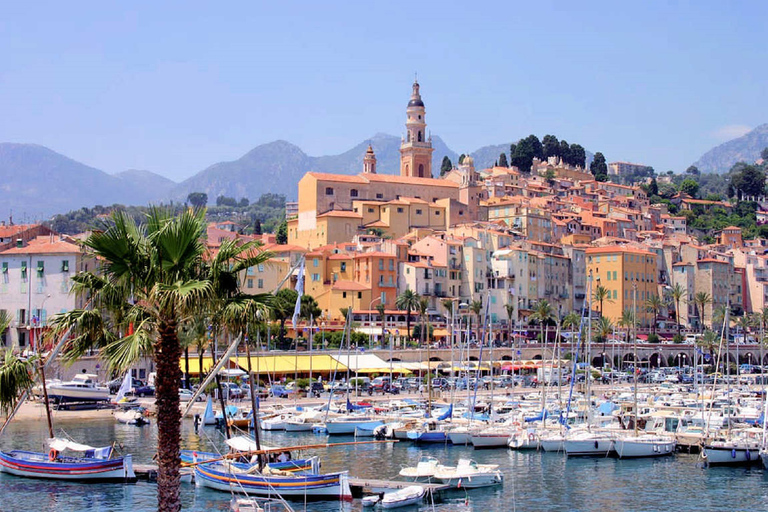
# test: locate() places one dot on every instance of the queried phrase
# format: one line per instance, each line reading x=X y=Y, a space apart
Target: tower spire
x=416 y=149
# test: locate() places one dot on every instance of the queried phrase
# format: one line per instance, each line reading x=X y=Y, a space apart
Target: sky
x=173 y=87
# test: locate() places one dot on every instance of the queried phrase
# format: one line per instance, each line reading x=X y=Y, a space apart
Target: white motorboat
x=348 y=424
x=469 y=474
x=588 y=444
x=552 y=441
x=404 y=497
x=82 y=388
x=424 y=470
x=274 y=423
x=132 y=417
x=460 y=435
x=644 y=445
x=526 y=439
x=492 y=437
x=741 y=447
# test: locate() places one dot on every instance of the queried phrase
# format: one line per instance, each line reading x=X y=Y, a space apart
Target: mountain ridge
x=746 y=148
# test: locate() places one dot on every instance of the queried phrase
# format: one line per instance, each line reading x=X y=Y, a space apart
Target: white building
x=35 y=283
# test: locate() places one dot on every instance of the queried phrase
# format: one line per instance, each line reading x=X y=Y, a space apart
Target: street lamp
x=370 y=319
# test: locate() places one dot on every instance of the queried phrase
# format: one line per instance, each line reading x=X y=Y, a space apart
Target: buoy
x=596 y=445
x=52 y=455
x=733 y=453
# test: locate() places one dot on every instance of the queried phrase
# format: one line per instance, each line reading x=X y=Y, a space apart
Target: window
x=261 y=267
x=614 y=275
x=399 y=210
x=5 y=267
x=21 y=317
x=24 y=270
x=437 y=212
x=343 y=266
x=383 y=297
x=381 y=264
x=359 y=295
x=343 y=295
x=316 y=277
x=261 y=283
x=40 y=268
x=379 y=196
x=381 y=280
x=370 y=210
x=614 y=295
x=391 y=265
x=329 y=191
x=353 y=193
x=315 y=262
x=249 y=283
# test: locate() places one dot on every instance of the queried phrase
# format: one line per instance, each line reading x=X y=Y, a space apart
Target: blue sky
x=173 y=87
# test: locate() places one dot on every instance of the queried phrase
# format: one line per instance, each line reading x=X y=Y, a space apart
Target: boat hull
x=328 y=486
x=298 y=427
x=633 y=448
x=464 y=438
x=490 y=440
x=588 y=447
x=64 y=394
x=473 y=481
x=427 y=437
x=716 y=456
x=348 y=427
x=37 y=465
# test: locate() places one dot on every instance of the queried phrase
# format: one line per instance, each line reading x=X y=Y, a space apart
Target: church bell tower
x=416 y=147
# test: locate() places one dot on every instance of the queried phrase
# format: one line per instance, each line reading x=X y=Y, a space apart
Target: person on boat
x=284 y=457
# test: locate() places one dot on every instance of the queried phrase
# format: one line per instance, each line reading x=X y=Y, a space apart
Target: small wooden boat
x=403 y=497
x=96 y=464
x=232 y=476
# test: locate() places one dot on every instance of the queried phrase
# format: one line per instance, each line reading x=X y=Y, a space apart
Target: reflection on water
x=533 y=481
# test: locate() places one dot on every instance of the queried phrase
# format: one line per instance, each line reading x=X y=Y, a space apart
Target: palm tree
x=600 y=295
x=653 y=304
x=677 y=293
x=709 y=342
x=510 y=309
x=603 y=328
x=408 y=301
x=194 y=332
x=475 y=307
x=15 y=378
x=571 y=321
x=423 y=315
x=543 y=313
x=718 y=317
x=152 y=277
x=283 y=307
x=627 y=320
x=701 y=299
x=381 y=309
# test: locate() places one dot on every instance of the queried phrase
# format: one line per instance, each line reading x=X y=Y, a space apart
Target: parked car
x=380 y=383
x=279 y=391
x=232 y=391
x=144 y=390
x=185 y=395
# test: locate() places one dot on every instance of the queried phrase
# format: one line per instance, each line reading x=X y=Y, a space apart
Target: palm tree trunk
x=167 y=355
x=408 y=324
x=677 y=317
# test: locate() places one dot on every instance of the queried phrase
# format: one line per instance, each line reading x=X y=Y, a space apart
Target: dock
x=362 y=486
x=359 y=486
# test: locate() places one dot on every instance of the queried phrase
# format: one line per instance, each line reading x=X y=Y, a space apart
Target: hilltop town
x=505 y=236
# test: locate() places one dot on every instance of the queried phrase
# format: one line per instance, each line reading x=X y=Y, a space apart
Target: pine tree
x=503 y=160
x=446 y=166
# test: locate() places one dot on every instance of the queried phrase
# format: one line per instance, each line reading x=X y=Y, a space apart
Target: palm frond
x=124 y=352
x=15 y=378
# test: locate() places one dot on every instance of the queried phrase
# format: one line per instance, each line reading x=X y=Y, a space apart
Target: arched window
x=353 y=192
x=421 y=170
x=408 y=137
x=419 y=135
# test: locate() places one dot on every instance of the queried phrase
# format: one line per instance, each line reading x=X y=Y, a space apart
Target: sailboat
x=209 y=417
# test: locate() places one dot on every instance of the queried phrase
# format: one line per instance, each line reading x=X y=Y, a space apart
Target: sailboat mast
x=47 y=403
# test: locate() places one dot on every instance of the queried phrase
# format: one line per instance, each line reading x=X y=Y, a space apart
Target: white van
x=691 y=339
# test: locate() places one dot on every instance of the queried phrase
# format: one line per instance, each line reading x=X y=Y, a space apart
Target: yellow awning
x=194 y=365
x=440 y=333
x=383 y=370
x=290 y=364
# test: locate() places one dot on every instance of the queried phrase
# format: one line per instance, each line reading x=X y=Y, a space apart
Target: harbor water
x=534 y=481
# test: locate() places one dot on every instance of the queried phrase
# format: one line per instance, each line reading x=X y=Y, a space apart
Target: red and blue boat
x=95 y=465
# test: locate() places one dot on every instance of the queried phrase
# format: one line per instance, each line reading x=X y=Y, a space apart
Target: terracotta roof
x=341 y=213
x=284 y=248
x=46 y=245
x=340 y=256
x=375 y=254
x=349 y=286
x=617 y=248
x=405 y=180
x=711 y=260
x=344 y=178
x=7 y=231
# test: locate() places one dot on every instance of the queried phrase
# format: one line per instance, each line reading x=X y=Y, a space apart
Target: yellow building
x=621 y=270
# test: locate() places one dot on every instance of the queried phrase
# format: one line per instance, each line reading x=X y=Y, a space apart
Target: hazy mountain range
x=746 y=148
x=36 y=182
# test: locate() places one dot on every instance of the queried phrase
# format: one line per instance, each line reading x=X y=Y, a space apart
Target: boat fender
x=749 y=456
x=53 y=455
x=531 y=436
x=596 y=445
x=733 y=453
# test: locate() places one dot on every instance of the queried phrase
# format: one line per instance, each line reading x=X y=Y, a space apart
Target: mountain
x=277 y=167
x=147 y=180
x=36 y=182
x=746 y=148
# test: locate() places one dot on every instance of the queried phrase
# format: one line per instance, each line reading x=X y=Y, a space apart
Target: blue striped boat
x=232 y=476
x=81 y=469
x=310 y=466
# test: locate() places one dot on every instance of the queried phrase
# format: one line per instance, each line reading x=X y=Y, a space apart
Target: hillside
x=746 y=148
x=36 y=182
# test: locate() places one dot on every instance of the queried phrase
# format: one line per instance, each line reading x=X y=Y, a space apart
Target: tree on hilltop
x=551 y=146
x=281 y=236
x=578 y=156
x=599 y=168
x=690 y=187
x=503 y=160
x=198 y=199
x=446 y=166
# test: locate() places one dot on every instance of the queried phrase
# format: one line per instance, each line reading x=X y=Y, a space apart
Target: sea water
x=533 y=481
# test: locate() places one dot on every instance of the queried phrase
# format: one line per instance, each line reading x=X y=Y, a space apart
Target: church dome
x=416 y=102
x=468 y=160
